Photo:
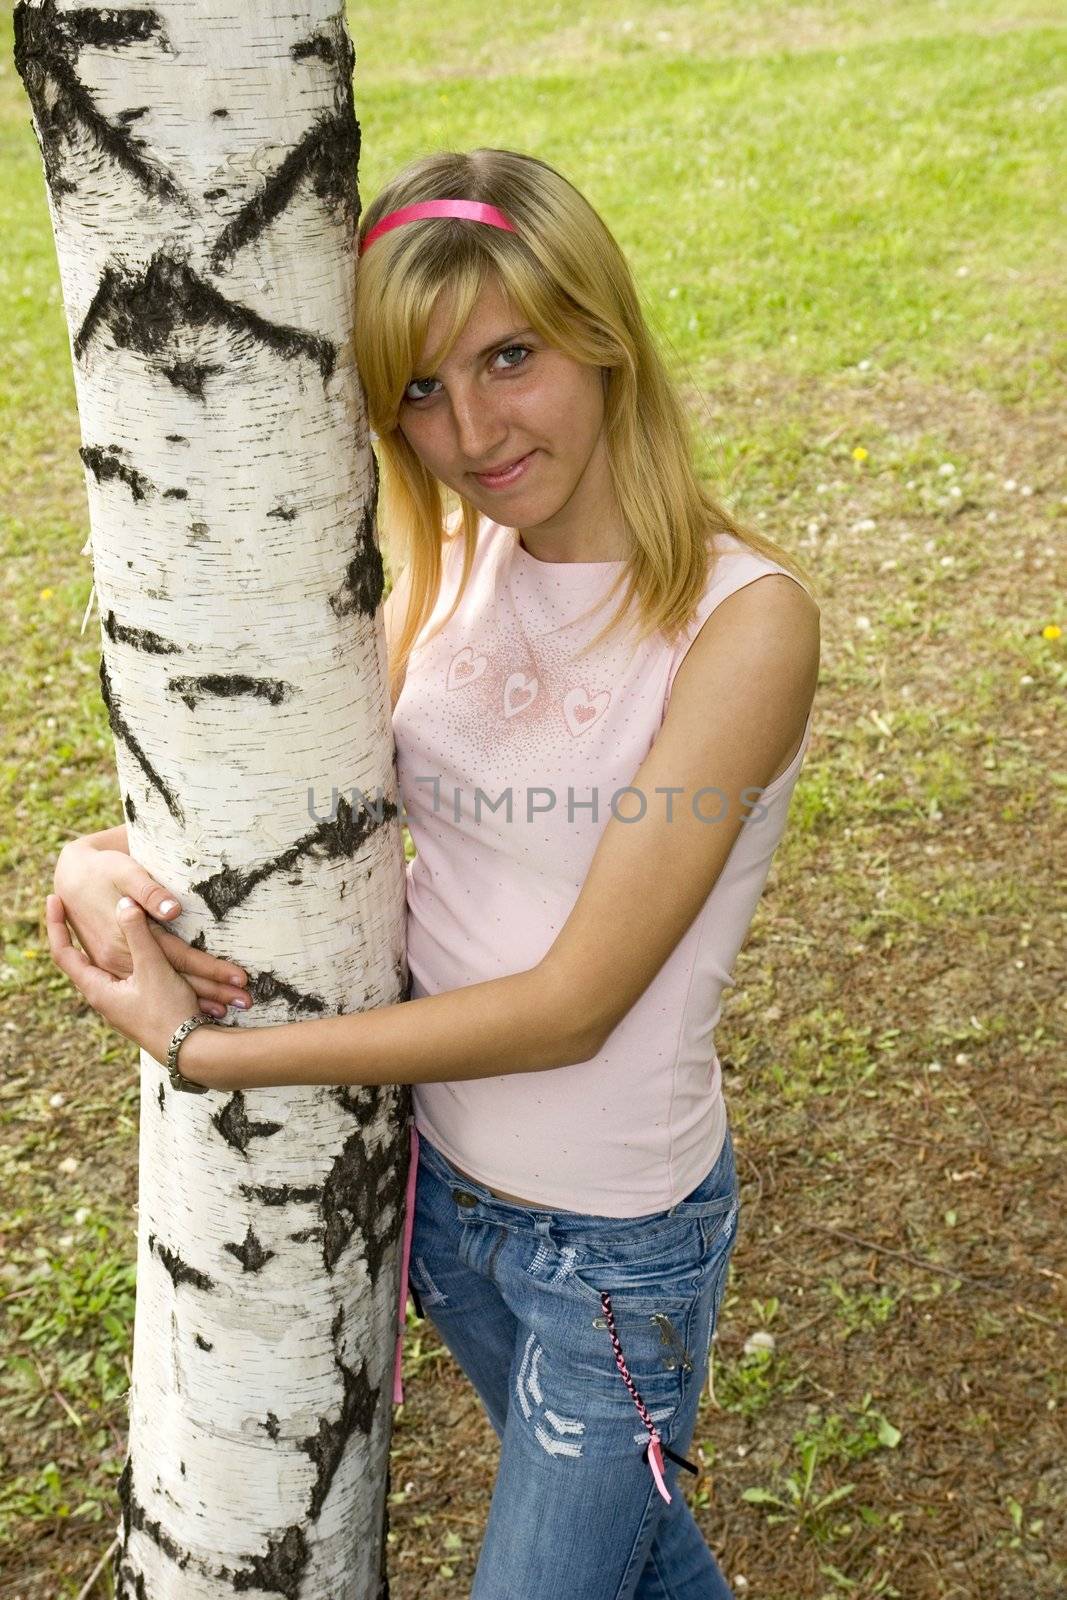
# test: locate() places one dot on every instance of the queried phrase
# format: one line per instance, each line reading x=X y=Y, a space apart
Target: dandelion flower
x=1053 y=631
x=859 y=454
x=46 y=594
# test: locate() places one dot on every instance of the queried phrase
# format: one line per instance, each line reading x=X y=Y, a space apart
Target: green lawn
x=848 y=230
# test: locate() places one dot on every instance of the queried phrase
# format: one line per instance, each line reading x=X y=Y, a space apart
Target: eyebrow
x=505 y=338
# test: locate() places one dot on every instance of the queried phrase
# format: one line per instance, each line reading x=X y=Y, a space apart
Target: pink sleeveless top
x=508 y=754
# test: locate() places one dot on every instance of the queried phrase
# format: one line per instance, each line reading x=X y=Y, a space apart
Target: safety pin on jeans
x=655 y=1449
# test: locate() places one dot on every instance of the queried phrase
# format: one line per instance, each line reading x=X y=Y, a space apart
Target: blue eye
x=413 y=399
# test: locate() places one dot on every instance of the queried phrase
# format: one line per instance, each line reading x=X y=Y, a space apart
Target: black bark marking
x=231 y=684
x=204 y=1345
x=282 y=1194
x=190 y=376
x=133 y=1516
x=265 y=986
x=178 y=1270
x=286 y=513
x=383 y=1576
x=103 y=463
x=307 y=1236
x=317 y=45
x=175 y=494
x=220 y=112
x=176 y=438
x=46 y=43
x=280 y=1571
x=333 y=840
x=122 y=730
x=234 y=1124
x=161 y=1096
x=134 y=113
x=327 y=155
x=362 y=1101
x=272 y=1426
x=125 y=1491
x=144 y=311
x=252 y=1255
x=364 y=580
x=358 y=1406
x=140 y=638
x=360 y=1188
x=107 y=29
x=128 y=808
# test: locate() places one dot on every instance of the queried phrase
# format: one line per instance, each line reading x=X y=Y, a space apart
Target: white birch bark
x=200 y=164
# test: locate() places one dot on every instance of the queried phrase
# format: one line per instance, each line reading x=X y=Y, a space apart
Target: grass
x=846 y=227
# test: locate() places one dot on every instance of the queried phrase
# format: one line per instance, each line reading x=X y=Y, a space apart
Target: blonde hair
x=565 y=273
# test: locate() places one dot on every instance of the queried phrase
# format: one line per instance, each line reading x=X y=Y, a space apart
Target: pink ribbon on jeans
x=405 y=1260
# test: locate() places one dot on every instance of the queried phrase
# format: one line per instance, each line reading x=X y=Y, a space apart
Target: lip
x=504 y=480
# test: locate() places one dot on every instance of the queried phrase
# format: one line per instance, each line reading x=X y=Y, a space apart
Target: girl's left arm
x=738 y=707
x=512 y=1024
x=519 y=1023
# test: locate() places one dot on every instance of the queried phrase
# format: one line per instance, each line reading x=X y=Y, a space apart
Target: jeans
x=545 y=1311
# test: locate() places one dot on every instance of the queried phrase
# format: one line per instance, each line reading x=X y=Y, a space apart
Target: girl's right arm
x=91 y=874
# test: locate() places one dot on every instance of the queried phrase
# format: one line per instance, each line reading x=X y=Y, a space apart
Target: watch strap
x=182 y=1031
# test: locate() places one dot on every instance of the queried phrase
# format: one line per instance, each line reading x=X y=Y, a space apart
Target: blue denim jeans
x=515 y=1294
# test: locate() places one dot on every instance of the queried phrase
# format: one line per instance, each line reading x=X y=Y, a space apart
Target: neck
x=605 y=548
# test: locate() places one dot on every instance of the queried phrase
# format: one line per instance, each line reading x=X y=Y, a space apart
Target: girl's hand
x=149 y=1004
x=89 y=881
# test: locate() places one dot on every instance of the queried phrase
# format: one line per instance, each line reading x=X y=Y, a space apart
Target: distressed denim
x=515 y=1295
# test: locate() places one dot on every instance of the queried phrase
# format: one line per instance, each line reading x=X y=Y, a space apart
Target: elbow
x=579 y=1032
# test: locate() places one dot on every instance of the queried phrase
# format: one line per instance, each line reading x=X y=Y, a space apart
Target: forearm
x=485 y=1030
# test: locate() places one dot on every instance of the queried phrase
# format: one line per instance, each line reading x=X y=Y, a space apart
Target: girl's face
x=503 y=393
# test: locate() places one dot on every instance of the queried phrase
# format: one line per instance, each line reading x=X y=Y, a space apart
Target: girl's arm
x=738 y=709
x=520 y=1023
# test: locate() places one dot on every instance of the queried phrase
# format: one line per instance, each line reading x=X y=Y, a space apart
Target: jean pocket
x=650 y=1267
x=720 y=1225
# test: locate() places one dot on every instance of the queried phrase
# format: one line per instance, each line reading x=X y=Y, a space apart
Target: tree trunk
x=200 y=165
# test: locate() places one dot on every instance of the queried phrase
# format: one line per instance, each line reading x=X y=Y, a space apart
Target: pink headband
x=470 y=210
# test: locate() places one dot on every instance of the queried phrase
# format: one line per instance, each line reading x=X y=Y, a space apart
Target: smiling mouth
x=498 y=472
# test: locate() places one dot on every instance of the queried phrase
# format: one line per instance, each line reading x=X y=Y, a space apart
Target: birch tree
x=200 y=166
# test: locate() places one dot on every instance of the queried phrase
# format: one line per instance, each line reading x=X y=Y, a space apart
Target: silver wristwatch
x=181 y=1032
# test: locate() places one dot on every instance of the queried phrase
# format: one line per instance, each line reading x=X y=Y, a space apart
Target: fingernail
x=125 y=901
x=167 y=905
x=242 y=1005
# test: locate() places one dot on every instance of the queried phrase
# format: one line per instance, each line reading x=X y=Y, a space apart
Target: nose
x=481 y=427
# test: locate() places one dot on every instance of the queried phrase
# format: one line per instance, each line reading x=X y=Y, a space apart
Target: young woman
x=595 y=815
